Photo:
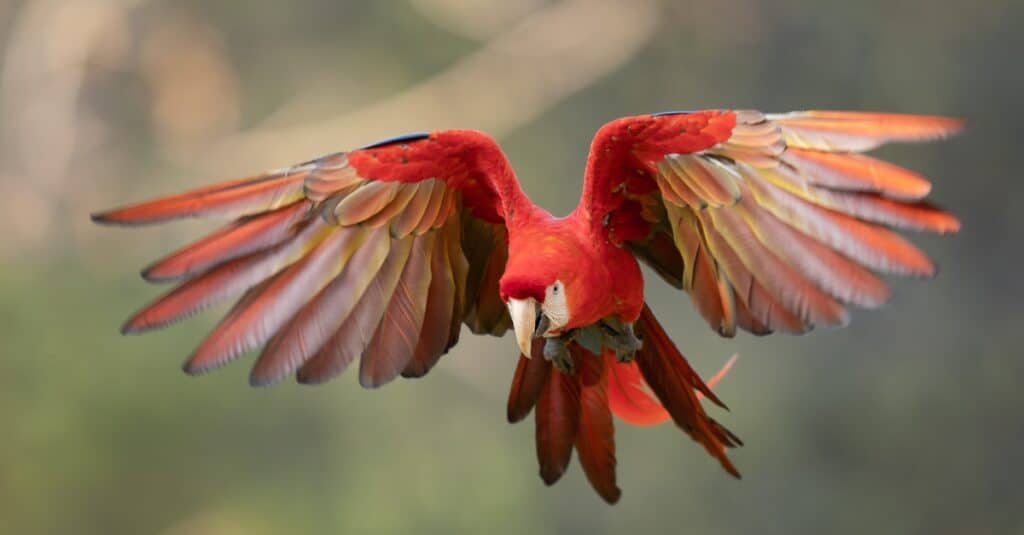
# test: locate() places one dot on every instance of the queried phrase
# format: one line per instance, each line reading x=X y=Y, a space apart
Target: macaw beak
x=524 y=322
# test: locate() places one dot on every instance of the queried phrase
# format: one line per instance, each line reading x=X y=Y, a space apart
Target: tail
x=678 y=389
x=575 y=411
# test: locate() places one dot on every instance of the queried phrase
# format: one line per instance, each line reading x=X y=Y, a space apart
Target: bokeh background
x=908 y=421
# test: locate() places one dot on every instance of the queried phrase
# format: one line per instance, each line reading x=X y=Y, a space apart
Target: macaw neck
x=523 y=215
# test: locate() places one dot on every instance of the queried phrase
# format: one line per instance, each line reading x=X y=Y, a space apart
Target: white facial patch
x=555 y=307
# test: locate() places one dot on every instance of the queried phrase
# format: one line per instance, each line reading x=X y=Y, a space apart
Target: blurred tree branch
x=547 y=57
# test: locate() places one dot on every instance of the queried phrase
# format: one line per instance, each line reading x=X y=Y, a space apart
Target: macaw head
x=540 y=287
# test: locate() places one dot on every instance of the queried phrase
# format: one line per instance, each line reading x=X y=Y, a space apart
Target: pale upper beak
x=524 y=321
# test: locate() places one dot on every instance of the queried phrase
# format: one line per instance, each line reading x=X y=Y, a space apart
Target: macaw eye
x=555 y=288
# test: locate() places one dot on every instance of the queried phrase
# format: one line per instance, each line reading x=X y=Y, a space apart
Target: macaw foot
x=621 y=338
x=556 y=349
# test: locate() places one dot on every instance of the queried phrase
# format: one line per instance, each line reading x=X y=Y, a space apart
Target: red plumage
x=769 y=222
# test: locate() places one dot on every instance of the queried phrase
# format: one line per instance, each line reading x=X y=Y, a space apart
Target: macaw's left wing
x=379 y=254
x=769 y=221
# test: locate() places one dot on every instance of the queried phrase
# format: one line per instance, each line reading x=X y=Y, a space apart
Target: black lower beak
x=542 y=325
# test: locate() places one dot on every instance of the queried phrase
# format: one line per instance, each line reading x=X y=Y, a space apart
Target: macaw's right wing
x=771 y=222
x=378 y=254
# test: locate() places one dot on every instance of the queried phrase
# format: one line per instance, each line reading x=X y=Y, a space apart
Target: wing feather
x=829 y=270
x=233 y=198
x=786 y=284
x=872 y=246
x=778 y=222
x=354 y=254
x=394 y=344
x=227 y=280
x=843 y=131
x=411 y=218
x=351 y=340
x=261 y=313
x=857 y=172
x=242 y=237
x=311 y=328
x=394 y=208
x=437 y=316
x=764 y=308
x=365 y=202
x=432 y=213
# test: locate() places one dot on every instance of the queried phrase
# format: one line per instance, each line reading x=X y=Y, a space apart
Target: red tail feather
x=629 y=396
x=595 y=439
x=575 y=410
x=530 y=377
x=676 y=386
x=557 y=418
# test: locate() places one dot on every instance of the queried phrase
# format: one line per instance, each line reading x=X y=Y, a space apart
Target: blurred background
x=908 y=421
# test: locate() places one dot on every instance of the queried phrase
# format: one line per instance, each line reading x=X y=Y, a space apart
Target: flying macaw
x=771 y=222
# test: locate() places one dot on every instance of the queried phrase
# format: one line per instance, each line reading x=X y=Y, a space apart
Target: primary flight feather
x=771 y=222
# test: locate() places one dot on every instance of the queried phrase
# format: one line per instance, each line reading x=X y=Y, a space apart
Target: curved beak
x=524 y=322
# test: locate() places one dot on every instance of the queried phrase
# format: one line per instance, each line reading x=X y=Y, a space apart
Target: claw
x=556 y=349
x=621 y=338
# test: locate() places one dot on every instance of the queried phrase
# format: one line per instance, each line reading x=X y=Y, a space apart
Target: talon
x=625 y=357
x=564 y=363
x=622 y=340
x=556 y=350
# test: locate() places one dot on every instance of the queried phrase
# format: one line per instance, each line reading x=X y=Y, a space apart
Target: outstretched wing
x=769 y=221
x=378 y=254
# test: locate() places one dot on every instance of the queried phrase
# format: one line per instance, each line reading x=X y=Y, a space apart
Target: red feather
x=530 y=377
x=676 y=385
x=233 y=198
x=557 y=419
x=630 y=397
x=595 y=439
x=239 y=238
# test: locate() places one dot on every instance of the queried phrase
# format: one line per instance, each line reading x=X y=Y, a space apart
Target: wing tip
x=138 y=324
x=951 y=224
x=955 y=125
x=263 y=380
x=911 y=127
x=372 y=383
x=134 y=215
x=114 y=217
x=194 y=367
x=132 y=327
x=101 y=218
x=307 y=378
x=158 y=273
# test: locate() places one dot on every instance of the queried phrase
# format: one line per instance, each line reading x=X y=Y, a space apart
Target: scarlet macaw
x=771 y=222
